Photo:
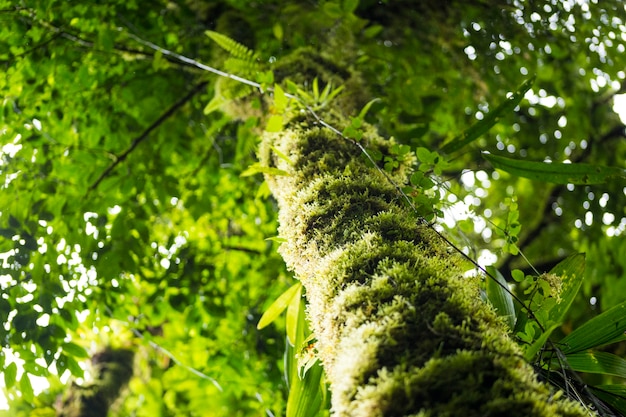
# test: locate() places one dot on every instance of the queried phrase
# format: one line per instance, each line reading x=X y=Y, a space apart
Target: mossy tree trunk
x=400 y=331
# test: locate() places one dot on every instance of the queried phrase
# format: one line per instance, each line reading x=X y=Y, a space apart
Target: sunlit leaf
x=10 y=373
x=279 y=305
x=306 y=396
x=75 y=350
x=293 y=311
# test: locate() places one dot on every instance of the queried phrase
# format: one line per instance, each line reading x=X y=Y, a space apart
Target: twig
x=169 y=112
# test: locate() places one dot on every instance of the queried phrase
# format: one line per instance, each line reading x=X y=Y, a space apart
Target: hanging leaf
x=557 y=173
x=493 y=117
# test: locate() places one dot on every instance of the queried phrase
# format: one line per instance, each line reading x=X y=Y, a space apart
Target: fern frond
x=234 y=48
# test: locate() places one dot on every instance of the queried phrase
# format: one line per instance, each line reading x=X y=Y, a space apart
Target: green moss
x=400 y=331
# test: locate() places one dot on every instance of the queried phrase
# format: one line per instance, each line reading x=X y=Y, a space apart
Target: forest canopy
x=139 y=238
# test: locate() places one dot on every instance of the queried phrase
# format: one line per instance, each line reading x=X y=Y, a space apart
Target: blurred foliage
x=125 y=221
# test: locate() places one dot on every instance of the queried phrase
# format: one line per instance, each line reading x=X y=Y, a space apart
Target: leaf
x=500 y=297
x=280 y=99
x=257 y=168
x=366 y=108
x=557 y=173
x=599 y=331
x=493 y=117
x=75 y=350
x=306 y=395
x=597 y=363
x=613 y=395
x=534 y=347
x=293 y=311
x=279 y=305
x=10 y=374
x=231 y=46
x=74 y=367
x=274 y=123
x=571 y=271
x=26 y=388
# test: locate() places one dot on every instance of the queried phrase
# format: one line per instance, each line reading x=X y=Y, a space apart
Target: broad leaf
x=554 y=172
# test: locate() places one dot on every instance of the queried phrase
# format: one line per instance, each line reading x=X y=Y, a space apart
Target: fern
x=242 y=62
x=242 y=59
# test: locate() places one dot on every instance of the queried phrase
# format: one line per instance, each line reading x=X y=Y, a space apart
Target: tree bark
x=400 y=331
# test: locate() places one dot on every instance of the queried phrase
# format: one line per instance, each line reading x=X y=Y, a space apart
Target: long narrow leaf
x=613 y=395
x=306 y=396
x=603 y=329
x=293 y=313
x=535 y=347
x=557 y=173
x=279 y=305
x=493 y=117
x=500 y=297
x=571 y=271
x=597 y=363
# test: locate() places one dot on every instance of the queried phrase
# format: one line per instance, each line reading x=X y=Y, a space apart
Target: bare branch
x=167 y=114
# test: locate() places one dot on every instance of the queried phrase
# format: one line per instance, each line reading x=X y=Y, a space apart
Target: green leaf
x=257 y=168
x=350 y=6
x=280 y=99
x=293 y=312
x=613 y=395
x=597 y=363
x=500 y=297
x=366 y=108
x=599 y=331
x=26 y=388
x=279 y=305
x=493 y=117
x=74 y=367
x=10 y=373
x=306 y=395
x=75 y=350
x=571 y=272
x=274 y=123
x=534 y=347
x=558 y=173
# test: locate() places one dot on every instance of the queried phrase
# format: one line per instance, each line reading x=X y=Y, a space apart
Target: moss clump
x=400 y=331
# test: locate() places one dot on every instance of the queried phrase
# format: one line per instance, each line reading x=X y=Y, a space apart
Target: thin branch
x=168 y=113
x=195 y=63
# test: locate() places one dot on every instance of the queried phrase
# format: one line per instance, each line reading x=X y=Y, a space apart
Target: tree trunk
x=400 y=331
